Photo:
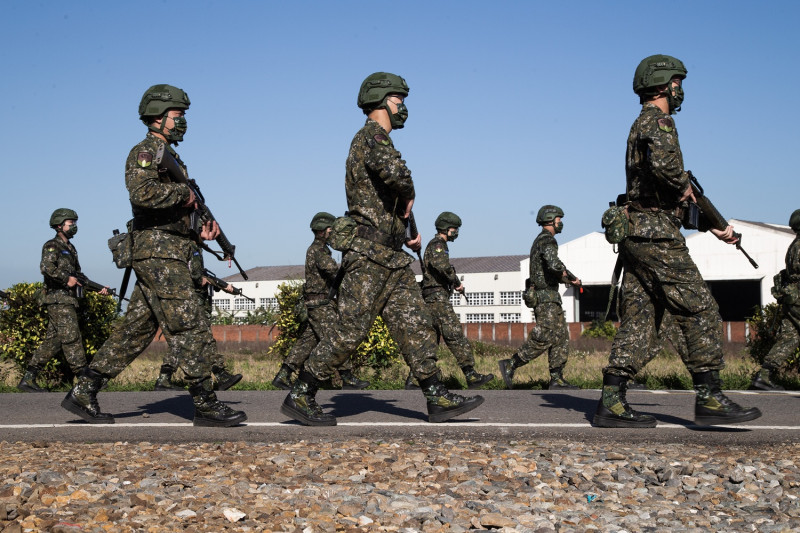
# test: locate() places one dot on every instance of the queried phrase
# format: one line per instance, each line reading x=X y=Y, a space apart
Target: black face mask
x=397 y=120
x=675 y=98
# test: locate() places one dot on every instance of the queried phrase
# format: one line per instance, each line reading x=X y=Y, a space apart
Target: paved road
x=508 y=415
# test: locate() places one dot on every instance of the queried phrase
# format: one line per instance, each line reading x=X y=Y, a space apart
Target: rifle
x=218 y=284
x=92 y=286
x=708 y=216
x=411 y=234
x=202 y=214
x=573 y=277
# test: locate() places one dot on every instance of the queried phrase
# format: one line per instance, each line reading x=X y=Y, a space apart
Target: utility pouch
x=615 y=223
x=530 y=297
x=301 y=310
x=121 y=246
x=343 y=231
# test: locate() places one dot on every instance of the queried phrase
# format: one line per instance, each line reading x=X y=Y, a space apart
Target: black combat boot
x=209 y=411
x=475 y=379
x=164 y=381
x=508 y=367
x=82 y=399
x=613 y=410
x=351 y=382
x=762 y=380
x=283 y=379
x=712 y=407
x=410 y=384
x=557 y=381
x=301 y=405
x=224 y=380
x=28 y=381
x=443 y=404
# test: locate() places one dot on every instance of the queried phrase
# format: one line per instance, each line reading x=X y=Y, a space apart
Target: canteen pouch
x=121 y=246
x=343 y=231
x=615 y=223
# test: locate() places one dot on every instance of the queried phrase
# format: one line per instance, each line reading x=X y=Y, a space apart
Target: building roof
x=271 y=273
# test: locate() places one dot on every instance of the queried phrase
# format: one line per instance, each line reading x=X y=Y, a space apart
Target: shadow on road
x=588 y=407
x=356 y=403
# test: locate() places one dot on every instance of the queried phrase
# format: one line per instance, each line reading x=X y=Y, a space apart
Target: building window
x=268 y=303
x=243 y=304
x=474 y=318
x=455 y=299
x=223 y=304
x=511 y=298
x=480 y=298
x=511 y=317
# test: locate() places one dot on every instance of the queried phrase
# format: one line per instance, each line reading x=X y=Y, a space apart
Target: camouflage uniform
x=437 y=284
x=59 y=262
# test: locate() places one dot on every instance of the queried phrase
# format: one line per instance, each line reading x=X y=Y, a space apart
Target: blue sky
x=512 y=105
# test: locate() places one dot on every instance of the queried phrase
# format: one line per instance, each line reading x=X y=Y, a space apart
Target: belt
x=395 y=242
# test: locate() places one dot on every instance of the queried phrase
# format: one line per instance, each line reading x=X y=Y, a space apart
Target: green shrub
x=23 y=324
x=378 y=350
x=764 y=325
x=601 y=330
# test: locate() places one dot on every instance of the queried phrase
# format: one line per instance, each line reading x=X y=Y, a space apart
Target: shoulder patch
x=666 y=124
x=380 y=138
x=144 y=159
x=438 y=249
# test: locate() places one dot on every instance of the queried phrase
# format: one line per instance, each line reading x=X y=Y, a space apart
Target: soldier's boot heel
x=507 y=369
x=164 y=381
x=210 y=412
x=557 y=381
x=410 y=385
x=443 y=404
x=82 y=399
x=475 y=379
x=712 y=407
x=283 y=379
x=613 y=410
x=763 y=380
x=300 y=404
x=224 y=380
x=28 y=381
x=351 y=382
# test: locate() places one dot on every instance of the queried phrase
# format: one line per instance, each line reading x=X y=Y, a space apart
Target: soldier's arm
x=49 y=264
x=386 y=162
x=437 y=262
x=327 y=266
x=146 y=190
x=666 y=160
x=550 y=256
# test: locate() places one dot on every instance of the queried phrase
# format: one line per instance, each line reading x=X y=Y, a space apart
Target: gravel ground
x=396 y=485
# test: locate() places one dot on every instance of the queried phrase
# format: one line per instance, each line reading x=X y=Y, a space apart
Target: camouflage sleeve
x=49 y=265
x=326 y=266
x=146 y=190
x=793 y=261
x=665 y=156
x=385 y=161
x=437 y=262
x=550 y=256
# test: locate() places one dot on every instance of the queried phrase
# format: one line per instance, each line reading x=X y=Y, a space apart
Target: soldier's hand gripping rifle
x=218 y=284
x=704 y=216
x=85 y=284
x=202 y=214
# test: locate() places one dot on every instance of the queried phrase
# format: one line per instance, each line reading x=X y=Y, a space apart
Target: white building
x=494 y=284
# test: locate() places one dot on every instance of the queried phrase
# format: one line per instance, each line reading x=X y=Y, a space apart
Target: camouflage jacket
x=656 y=179
x=439 y=273
x=59 y=262
x=793 y=261
x=377 y=182
x=546 y=269
x=321 y=270
x=161 y=222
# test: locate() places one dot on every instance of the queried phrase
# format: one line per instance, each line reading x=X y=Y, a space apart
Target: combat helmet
x=655 y=71
x=447 y=220
x=60 y=215
x=159 y=98
x=322 y=221
x=794 y=221
x=377 y=86
x=548 y=213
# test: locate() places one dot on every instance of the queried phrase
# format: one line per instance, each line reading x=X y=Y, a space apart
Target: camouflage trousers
x=209 y=350
x=63 y=334
x=368 y=290
x=320 y=317
x=550 y=334
x=660 y=277
x=787 y=339
x=164 y=297
x=447 y=325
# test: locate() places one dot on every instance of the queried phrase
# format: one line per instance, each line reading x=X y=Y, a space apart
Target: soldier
x=550 y=334
x=659 y=273
x=377 y=279
x=222 y=378
x=164 y=241
x=439 y=279
x=788 y=295
x=321 y=272
x=59 y=266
